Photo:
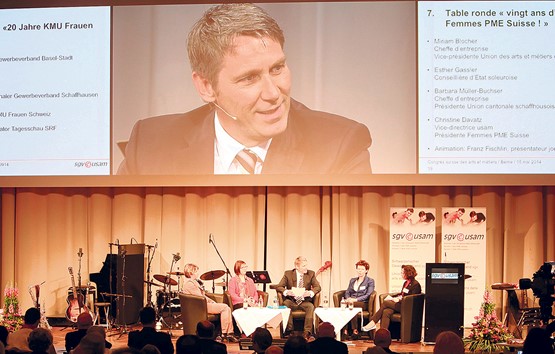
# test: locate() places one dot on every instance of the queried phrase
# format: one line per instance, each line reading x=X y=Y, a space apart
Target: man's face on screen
x=254 y=85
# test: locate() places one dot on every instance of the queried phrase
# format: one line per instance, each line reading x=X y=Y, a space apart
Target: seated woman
x=193 y=286
x=241 y=290
x=358 y=292
x=392 y=304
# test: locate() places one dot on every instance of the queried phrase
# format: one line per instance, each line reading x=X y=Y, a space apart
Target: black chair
x=407 y=324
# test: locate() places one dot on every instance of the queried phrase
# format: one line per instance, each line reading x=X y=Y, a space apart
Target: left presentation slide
x=55 y=91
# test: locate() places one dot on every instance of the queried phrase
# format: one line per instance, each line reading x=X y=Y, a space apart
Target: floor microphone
x=223 y=110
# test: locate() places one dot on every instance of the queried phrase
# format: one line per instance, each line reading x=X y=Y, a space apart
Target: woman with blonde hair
x=193 y=286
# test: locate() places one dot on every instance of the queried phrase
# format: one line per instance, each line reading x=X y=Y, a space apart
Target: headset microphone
x=223 y=110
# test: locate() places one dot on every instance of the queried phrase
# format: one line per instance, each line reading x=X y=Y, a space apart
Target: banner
x=464 y=241
x=412 y=241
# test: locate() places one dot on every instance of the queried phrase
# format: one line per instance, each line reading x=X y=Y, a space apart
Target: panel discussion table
x=337 y=316
x=248 y=319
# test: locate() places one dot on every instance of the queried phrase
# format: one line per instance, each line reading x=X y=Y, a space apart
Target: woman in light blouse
x=193 y=287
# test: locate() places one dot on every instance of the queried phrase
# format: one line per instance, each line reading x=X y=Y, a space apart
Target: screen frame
x=409 y=179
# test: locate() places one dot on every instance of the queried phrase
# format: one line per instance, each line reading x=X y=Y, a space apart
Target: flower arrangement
x=12 y=318
x=488 y=331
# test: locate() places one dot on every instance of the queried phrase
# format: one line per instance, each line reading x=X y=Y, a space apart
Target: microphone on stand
x=80 y=252
x=223 y=110
x=176 y=257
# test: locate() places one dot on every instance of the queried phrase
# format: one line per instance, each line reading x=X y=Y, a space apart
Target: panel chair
x=194 y=310
x=367 y=307
x=407 y=325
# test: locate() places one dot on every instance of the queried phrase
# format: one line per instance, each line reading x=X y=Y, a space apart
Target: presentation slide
x=486 y=84
x=55 y=91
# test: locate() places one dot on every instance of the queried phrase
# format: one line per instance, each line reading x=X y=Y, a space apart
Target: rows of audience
x=90 y=339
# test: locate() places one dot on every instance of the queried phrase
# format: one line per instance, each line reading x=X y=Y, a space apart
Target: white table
x=338 y=317
x=252 y=317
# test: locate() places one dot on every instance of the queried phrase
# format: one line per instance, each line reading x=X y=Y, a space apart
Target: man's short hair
x=326 y=329
x=188 y=344
x=212 y=37
x=262 y=337
x=206 y=329
x=382 y=338
x=40 y=339
x=32 y=316
x=295 y=345
x=84 y=320
x=147 y=315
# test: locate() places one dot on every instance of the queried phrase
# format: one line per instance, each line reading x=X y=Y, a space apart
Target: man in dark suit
x=149 y=335
x=298 y=287
x=250 y=124
x=206 y=333
x=326 y=342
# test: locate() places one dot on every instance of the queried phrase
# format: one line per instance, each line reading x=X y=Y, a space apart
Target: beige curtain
x=267 y=227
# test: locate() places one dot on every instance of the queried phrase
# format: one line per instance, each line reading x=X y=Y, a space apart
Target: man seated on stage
x=298 y=287
x=84 y=322
x=206 y=331
x=193 y=287
x=149 y=335
x=326 y=342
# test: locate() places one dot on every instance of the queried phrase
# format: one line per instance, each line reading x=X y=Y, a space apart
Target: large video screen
x=364 y=93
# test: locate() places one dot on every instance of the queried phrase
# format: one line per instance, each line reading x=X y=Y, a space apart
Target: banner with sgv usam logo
x=412 y=241
x=464 y=241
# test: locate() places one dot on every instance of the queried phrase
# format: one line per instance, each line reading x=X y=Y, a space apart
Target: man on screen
x=250 y=124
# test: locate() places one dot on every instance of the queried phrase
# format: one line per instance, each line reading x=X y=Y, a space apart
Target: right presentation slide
x=486 y=87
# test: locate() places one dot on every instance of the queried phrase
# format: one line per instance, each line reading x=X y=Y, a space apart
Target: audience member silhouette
x=149 y=335
x=448 y=342
x=326 y=342
x=537 y=342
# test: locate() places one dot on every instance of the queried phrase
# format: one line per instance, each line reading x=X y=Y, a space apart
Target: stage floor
x=119 y=339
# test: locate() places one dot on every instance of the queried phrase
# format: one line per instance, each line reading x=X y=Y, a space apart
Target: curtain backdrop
x=267 y=227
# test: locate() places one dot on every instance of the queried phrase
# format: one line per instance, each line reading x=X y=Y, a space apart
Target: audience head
x=32 y=316
x=295 y=345
x=382 y=338
x=188 y=344
x=92 y=343
x=326 y=329
x=150 y=349
x=538 y=342
x=273 y=349
x=84 y=321
x=40 y=340
x=97 y=329
x=206 y=329
x=448 y=342
x=261 y=339
x=375 y=350
x=3 y=335
x=410 y=271
x=147 y=316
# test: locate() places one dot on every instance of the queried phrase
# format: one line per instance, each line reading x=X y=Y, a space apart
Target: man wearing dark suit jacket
x=326 y=342
x=300 y=277
x=250 y=124
x=149 y=335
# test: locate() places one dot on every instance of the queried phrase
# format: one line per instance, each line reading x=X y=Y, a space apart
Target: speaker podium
x=130 y=282
x=444 y=299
